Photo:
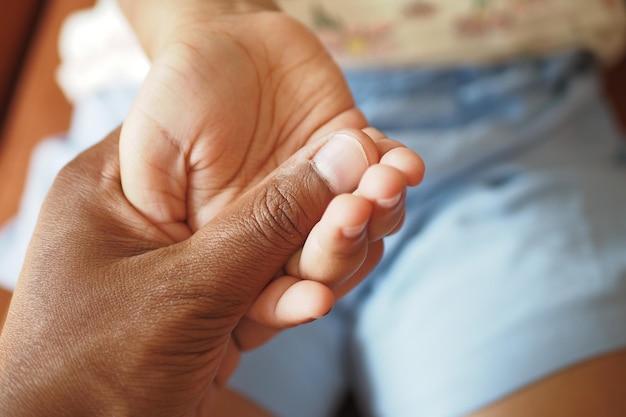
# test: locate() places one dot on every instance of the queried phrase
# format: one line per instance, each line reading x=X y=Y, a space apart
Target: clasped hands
x=215 y=221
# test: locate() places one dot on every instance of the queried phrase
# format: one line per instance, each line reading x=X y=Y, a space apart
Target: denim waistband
x=448 y=98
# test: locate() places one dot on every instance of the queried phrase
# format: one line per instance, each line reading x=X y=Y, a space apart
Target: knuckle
x=283 y=212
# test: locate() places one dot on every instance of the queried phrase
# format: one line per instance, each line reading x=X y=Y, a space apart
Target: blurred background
x=33 y=107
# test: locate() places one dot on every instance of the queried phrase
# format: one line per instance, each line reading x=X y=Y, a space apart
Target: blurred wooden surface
x=17 y=19
x=615 y=87
x=38 y=108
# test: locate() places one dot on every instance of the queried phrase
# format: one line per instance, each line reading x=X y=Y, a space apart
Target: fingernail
x=342 y=162
x=312 y=319
x=390 y=202
x=354 y=232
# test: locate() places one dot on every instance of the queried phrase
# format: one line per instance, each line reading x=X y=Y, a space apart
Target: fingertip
x=347 y=211
x=344 y=157
x=305 y=301
x=337 y=245
x=382 y=183
x=407 y=162
x=396 y=154
x=354 y=232
x=373 y=133
x=288 y=301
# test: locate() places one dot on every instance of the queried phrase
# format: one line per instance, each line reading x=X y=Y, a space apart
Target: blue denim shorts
x=511 y=265
x=512 y=262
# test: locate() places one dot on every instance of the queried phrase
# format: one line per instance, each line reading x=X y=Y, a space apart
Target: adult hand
x=111 y=316
x=236 y=87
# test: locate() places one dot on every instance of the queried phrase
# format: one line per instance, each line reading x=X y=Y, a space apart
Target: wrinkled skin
x=113 y=317
x=230 y=96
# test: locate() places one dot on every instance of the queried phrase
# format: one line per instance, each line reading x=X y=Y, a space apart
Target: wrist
x=38 y=382
x=157 y=23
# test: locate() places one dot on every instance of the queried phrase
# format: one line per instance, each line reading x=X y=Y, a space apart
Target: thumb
x=251 y=240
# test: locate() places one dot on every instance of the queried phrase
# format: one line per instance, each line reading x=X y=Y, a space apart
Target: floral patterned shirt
x=363 y=33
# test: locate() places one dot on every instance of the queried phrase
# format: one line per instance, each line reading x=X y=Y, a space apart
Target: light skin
x=184 y=155
x=110 y=313
x=268 y=87
x=593 y=385
x=274 y=41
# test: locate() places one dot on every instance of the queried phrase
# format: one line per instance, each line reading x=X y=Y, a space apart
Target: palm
x=221 y=109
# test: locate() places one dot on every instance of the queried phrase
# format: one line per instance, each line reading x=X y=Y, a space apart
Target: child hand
x=110 y=314
x=229 y=97
x=341 y=250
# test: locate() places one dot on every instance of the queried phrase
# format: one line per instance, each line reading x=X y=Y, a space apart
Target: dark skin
x=112 y=317
x=591 y=388
x=28 y=387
